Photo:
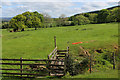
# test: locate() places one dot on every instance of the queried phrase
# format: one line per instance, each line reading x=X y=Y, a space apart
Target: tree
x=114 y=15
x=102 y=16
x=36 y=22
x=18 y=23
x=48 y=21
x=93 y=18
x=62 y=20
x=81 y=20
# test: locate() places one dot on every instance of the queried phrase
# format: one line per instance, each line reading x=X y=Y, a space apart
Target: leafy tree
x=102 y=16
x=114 y=15
x=40 y=16
x=36 y=22
x=17 y=22
x=81 y=20
x=93 y=18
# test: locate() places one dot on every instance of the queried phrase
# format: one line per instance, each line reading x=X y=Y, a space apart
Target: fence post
x=113 y=60
x=65 y=62
x=55 y=40
x=66 y=59
x=21 y=66
x=49 y=65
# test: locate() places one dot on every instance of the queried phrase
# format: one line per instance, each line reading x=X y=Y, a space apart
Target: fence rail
x=21 y=62
x=53 y=54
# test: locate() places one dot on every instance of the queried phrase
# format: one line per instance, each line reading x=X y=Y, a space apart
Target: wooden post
x=21 y=66
x=49 y=66
x=55 y=40
x=90 y=64
x=65 y=66
x=113 y=60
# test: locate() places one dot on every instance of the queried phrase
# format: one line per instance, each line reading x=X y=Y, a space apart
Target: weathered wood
x=57 y=74
x=22 y=73
x=61 y=53
x=58 y=66
x=52 y=52
x=62 y=50
x=54 y=55
x=19 y=76
x=55 y=40
x=20 y=64
x=60 y=56
x=55 y=65
x=18 y=69
x=56 y=69
x=25 y=59
x=65 y=68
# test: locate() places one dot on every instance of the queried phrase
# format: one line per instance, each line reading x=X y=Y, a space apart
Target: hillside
x=99 y=10
x=38 y=44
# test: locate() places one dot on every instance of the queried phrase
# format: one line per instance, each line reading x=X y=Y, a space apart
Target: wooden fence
x=34 y=70
x=53 y=66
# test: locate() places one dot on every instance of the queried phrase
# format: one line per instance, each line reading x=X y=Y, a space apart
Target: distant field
x=38 y=44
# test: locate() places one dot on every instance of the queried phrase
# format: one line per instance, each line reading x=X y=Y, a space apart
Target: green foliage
x=114 y=15
x=102 y=16
x=81 y=20
x=76 y=67
x=93 y=18
x=27 y=19
x=5 y=25
x=17 y=22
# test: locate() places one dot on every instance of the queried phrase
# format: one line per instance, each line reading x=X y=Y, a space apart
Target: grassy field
x=105 y=74
x=39 y=43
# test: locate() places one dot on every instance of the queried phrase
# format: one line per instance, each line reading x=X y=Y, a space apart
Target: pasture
x=37 y=44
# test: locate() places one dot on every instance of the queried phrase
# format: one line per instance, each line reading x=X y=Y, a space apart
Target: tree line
x=44 y=20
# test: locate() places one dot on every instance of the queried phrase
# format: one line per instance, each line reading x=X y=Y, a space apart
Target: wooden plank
x=18 y=69
x=60 y=56
x=54 y=55
x=56 y=69
x=22 y=73
x=19 y=76
x=55 y=65
x=62 y=50
x=52 y=52
x=24 y=59
x=61 y=53
x=55 y=40
x=21 y=64
x=57 y=74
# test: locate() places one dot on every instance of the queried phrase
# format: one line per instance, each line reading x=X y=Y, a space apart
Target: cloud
x=60 y=0
x=94 y=6
x=55 y=9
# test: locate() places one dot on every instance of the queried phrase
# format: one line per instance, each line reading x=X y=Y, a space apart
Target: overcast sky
x=54 y=8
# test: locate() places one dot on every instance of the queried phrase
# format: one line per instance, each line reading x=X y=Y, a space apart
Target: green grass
x=38 y=44
x=105 y=74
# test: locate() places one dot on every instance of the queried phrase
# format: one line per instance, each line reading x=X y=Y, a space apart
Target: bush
x=76 y=67
x=81 y=20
